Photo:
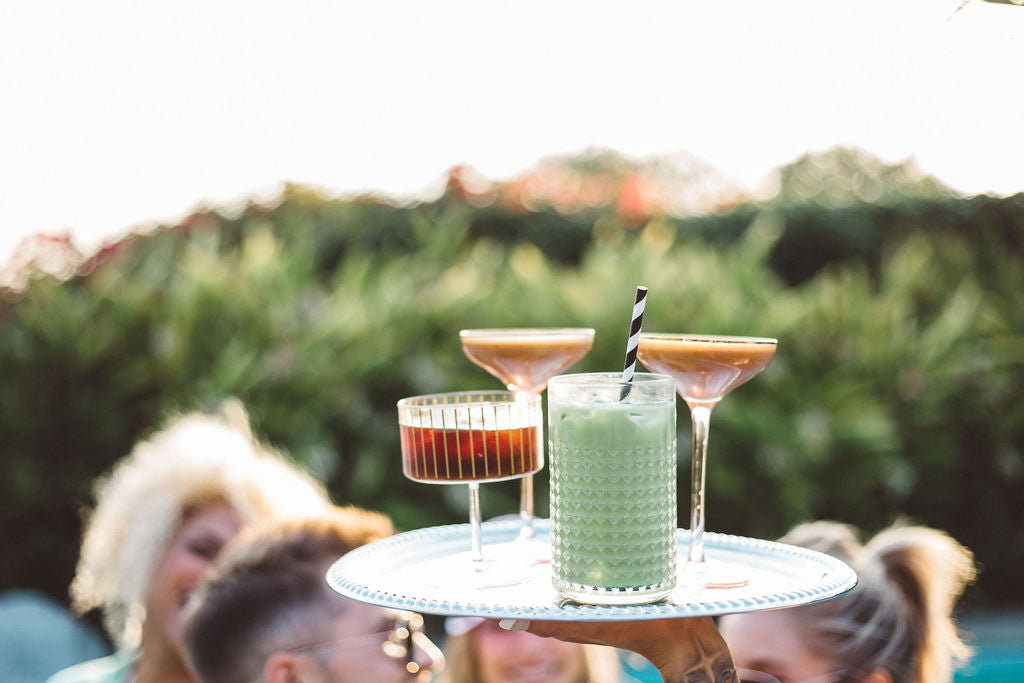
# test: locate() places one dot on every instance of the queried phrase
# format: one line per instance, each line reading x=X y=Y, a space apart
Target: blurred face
x=186 y=558
x=771 y=642
x=521 y=657
x=365 y=647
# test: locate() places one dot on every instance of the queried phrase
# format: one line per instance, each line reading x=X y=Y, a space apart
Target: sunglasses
x=752 y=676
x=398 y=642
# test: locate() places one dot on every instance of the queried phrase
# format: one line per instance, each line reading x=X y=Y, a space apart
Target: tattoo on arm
x=708 y=661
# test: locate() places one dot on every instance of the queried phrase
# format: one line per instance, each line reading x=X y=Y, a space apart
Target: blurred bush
x=896 y=391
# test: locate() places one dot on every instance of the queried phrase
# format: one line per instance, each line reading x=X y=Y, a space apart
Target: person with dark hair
x=266 y=612
x=895 y=626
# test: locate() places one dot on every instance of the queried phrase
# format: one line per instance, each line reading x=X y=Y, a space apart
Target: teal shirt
x=112 y=669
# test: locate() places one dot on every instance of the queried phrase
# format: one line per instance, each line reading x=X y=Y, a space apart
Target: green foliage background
x=896 y=391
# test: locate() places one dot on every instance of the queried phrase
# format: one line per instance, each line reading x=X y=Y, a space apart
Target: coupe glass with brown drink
x=524 y=359
x=705 y=369
x=471 y=437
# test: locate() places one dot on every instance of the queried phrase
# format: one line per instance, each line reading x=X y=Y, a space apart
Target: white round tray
x=389 y=573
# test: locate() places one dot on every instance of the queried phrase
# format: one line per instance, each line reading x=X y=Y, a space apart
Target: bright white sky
x=119 y=112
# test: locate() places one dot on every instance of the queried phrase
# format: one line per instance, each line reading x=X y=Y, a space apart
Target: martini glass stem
x=700 y=415
x=526 y=483
x=476 y=546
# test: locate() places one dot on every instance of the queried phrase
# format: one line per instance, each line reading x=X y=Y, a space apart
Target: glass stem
x=475 y=542
x=700 y=415
x=526 y=483
x=526 y=506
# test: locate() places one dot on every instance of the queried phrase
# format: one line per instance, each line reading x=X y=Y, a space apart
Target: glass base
x=711 y=574
x=503 y=565
x=531 y=550
x=593 y=595
x=527 y=547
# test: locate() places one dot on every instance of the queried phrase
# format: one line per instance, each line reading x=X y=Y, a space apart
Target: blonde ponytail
x=900 y=616
x=931 y=571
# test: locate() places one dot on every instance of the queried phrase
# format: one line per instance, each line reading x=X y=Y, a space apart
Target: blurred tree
x=843 y=176
x=896 y=389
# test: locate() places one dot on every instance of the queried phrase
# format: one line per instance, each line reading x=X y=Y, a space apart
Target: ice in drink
x=613 y=487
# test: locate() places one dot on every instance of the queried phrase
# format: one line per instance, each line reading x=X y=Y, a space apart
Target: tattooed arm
x=687 y=650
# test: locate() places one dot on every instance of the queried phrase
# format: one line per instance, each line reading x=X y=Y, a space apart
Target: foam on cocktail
x=524 y=358
x=706 y=367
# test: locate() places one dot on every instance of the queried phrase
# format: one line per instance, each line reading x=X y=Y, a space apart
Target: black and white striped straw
x=634 y=340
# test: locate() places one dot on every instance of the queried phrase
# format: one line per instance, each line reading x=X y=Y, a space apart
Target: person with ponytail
x=895 y=626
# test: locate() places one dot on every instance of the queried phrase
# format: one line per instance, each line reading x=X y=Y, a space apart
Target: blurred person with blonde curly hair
x=162 y=515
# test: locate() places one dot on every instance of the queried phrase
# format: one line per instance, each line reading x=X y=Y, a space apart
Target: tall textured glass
x=612 y=450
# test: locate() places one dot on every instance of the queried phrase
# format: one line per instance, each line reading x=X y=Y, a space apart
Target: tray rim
x=843 y=579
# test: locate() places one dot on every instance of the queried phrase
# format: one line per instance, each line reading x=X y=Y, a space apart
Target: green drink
x=613 y=487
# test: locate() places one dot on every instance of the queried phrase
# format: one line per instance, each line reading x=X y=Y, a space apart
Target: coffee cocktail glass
x=524 y=359
x=705 y=369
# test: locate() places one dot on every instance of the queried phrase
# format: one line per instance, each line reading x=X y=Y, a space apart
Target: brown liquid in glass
x=526 y=362
x=706 y=368
x=459 y=455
